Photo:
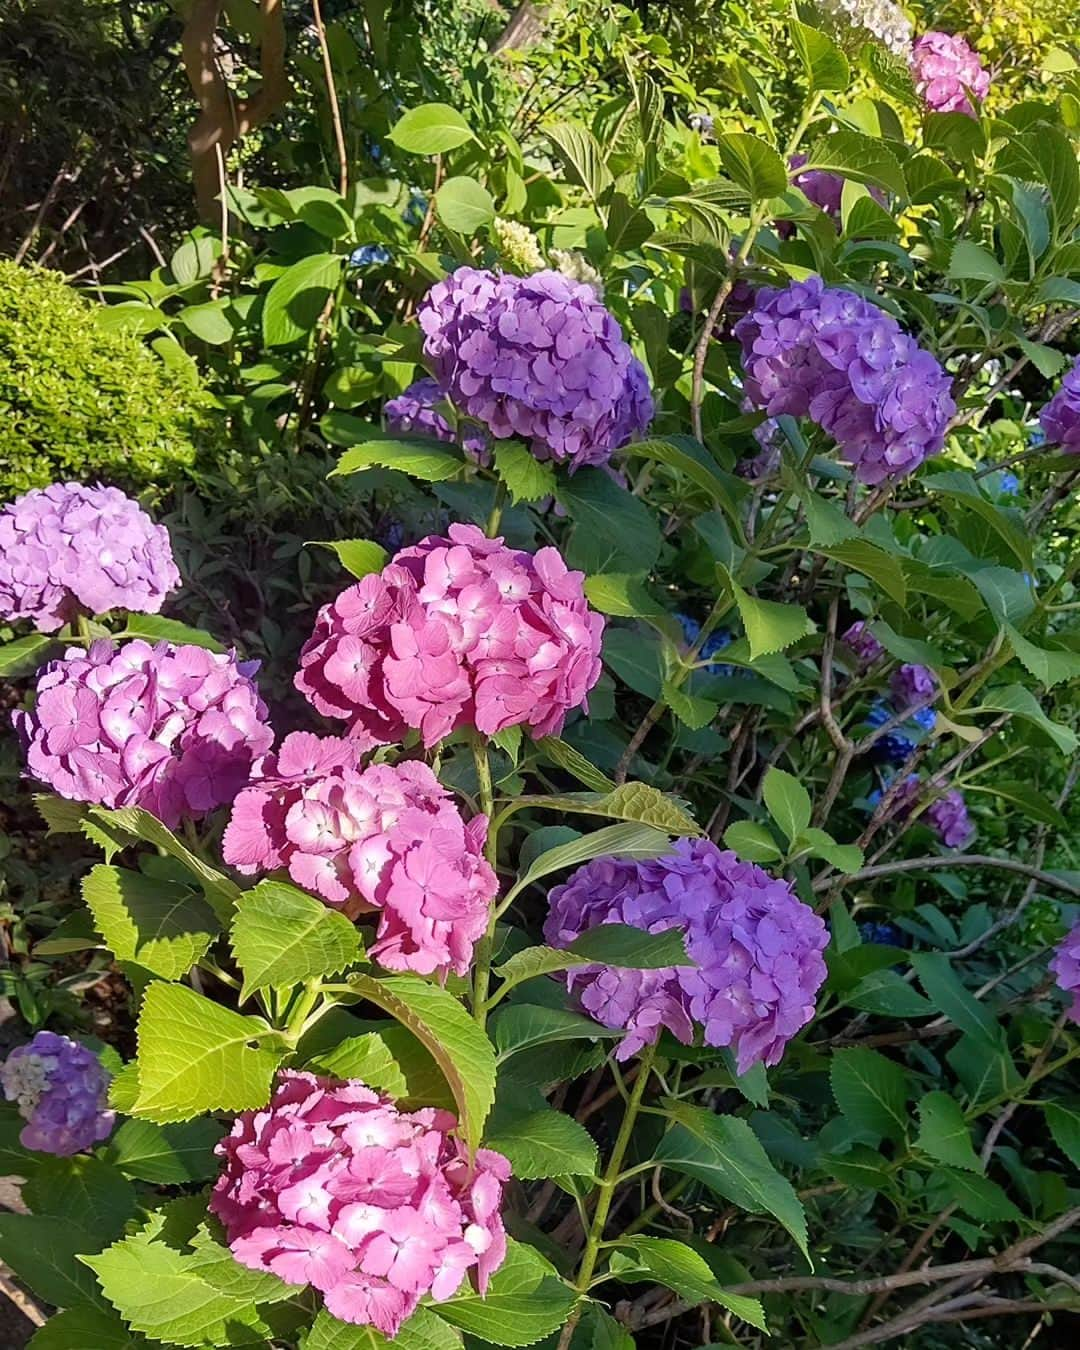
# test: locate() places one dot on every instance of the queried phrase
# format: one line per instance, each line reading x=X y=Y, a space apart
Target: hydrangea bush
x=648 y=919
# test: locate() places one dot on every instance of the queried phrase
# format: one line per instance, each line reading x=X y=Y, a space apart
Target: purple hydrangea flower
x=536 y=357
x=825 y=190
x=415 y=411
x=863 y=643
x=61 y=1090
x=756 y=946
x=69 y=549
x=912 y=684
x=1061 y=417
x=1065 y=966
x=947 y=72
x=949 y=817
x=827 y=354
x=175 y=730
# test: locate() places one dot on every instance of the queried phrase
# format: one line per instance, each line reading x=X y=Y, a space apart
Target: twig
x=932 y=864
x=331 y=92
x=22 y=1301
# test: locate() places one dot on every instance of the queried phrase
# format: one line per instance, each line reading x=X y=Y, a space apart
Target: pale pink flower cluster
x=386 y=838
x=455 y=632
x=332 y=1186
x=175 y=730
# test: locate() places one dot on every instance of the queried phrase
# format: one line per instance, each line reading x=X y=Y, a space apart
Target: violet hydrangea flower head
x=827 y=354
x=757 y=949
x=69 y=549
x=331 y=1185
x=387 y=838
x=1060 y=418
x=61 y=1090
x=911 y=684
x=1065 y=967
x=415 y=410
x=458 y=631
x=948 y=815
x=173 y=729
x=947 y=72
x=536 y=357
x=863 y=643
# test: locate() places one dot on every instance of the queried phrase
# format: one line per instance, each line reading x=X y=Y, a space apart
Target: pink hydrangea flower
x=1065 y=967
x=455 y=632
x=947 y=71
x=331 y=1185
x=175 y=730
x=69 y=549
x=386 y=838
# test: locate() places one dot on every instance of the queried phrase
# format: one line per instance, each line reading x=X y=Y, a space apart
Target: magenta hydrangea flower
x=824 y=353
x=1060 y=418
x=415 y=411
x=387 y=838
x=1065 y=967
x=863 y=643
x=947 y=72
x=455 y=632
x=62 y=1093
x=948 y=815
x=175 y=730
x=757 y=949
x=912 y=684
x=536 y=357
x=69 y=549
x=331 y=1185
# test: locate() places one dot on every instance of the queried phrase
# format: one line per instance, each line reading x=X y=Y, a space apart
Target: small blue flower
x=1009 y=485
x=895 y=747
x=879 y=713
x=370 y=255
x=690 y=627
x=416 y=210
x=1037 y=436
x=716 y=643
x=925 y=718
x=882 y=933
x=873 y=799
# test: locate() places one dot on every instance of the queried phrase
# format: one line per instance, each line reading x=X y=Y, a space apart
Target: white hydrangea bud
x=578 y=268
x=882 y=19
x=517 y=246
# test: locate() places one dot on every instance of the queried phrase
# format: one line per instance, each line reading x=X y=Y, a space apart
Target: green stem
x=482 y=956
x=82 y=628
x=492 y=527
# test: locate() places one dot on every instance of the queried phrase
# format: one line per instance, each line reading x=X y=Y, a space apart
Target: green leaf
x=969 y=261
x=153 y=628
x=166 y=1155
x=874 y=562
x=619 y=530
x=582 y=156
x=788 y=802
x=361 y=557
x=622 y=596
x=960 y=487
x=161 y=925
x=366 y=1057
x=24 y=655
x=418 y=456
x=979 y=1196
x=630 y=801
x=1032 y=802
x=1048 y=667
x=424 y=1330
x=827 y=522
x=629 y=840
x=754 y=843
x=692 y=711
x=525 y=1301
x=844 y=857
x=85 y=1192
x=523 y=1026
x=725 y=1154
x=826 y=65
x=905 y=648
x=949 y=996
x=752 y=164
x=296 y=299
x=694 y=461
x=545 y=1143
x=282 y=936
x=43 y=1252
x=1015 y=699
x=863 y=159
x=945 y=1134
x=635 y=658
x=770 y=627
x=455 y=1041
x=1063 y=1121
x=526 y=478
x=464 y=205
x=1008 y=596
x=871 y=1091
x=431 y=129
x=885 y=992
x=208 y=322
x=196 y=1056
x=620 y=944
x=86 y=1329
x=679 y=1267
x=575 y=763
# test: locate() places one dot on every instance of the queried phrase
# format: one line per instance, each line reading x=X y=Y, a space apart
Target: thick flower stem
x=482 y=957
x=492 y=528
x=611 y=1177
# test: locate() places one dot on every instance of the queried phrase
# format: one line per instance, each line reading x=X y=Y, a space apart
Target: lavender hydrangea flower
x=1061 y=417
x=756 y=946
x=174 y=730
x=824 y=353
x=912 y=684
x=947 y=72
x=61 y=1091
x=415 y=411
x=948 y=815
x=536 y=357
x=69 y=549
x=863 y=643
x=1065 y=967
